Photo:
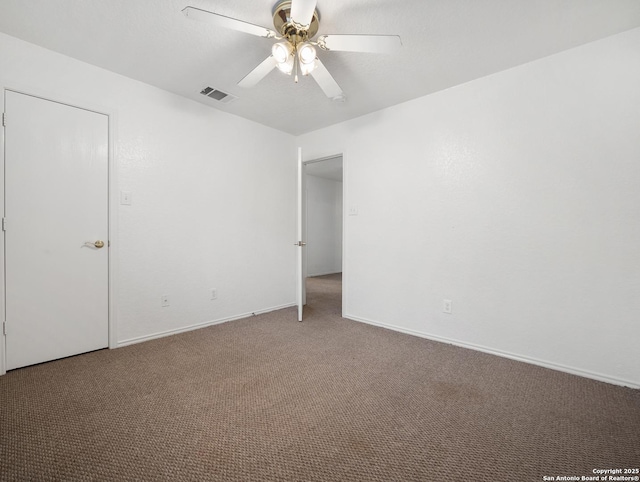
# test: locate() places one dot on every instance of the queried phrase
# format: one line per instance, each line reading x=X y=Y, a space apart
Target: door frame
x=313 y=160
x=111 y=203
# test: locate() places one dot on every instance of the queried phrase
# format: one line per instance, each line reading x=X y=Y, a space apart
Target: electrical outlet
x=214 y=294
x=446 y=306
x=164 y=300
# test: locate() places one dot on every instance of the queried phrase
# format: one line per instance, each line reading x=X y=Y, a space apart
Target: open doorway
x=323 y=229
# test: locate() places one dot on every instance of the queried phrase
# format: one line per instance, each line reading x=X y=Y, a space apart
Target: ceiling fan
x=296 y=22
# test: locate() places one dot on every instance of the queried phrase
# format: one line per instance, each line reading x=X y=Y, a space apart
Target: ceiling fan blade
x=227 y=22
x=360 y=43
x=302 y=11
x=259 y=73
x=326 y=82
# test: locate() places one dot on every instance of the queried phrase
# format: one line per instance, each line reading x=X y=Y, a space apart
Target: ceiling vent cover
x=218 y=95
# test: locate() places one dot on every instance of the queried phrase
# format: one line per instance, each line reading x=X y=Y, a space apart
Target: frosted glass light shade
x=306 y=58
x=307 y=54
x=281 y=51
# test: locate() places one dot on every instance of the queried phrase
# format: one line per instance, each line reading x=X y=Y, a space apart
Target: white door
x=301 y=294
x=56 y=210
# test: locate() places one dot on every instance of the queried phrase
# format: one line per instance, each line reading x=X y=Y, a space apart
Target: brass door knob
x=99 y=244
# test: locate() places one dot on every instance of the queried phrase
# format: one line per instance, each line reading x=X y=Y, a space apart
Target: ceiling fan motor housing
x=289 y=29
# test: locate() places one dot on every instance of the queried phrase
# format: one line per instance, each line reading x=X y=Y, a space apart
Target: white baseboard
x=309 y=275
x=504 y=354
x=161 y=334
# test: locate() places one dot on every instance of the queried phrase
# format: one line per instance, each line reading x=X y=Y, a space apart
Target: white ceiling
x=445 y=43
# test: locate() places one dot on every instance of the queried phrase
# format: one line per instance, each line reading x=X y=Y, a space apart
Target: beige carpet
x=268 y=398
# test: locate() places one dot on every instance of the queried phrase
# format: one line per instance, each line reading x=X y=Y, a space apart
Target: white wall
x=210 y=210
x=516 y=196
x=324 y=226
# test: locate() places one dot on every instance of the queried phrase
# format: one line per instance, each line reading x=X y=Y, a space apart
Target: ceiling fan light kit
x=287 y=54
x=282 y=53
x=296 y=23
x=307 y=54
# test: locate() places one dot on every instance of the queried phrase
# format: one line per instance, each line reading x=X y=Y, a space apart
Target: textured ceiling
x=445 y=43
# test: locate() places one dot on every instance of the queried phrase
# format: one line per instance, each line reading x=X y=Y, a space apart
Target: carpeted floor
x=268 y=398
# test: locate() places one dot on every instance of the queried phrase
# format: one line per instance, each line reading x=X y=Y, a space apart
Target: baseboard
x=504 y=354
x=323 y=274
x=197 y=326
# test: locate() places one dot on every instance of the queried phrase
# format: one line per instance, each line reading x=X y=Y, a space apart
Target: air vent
x=218 y=95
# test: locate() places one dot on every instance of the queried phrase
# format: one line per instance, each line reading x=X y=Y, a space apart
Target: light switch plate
x=125 y=198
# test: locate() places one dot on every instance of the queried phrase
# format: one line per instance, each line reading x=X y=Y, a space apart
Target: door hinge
x=4 y=119
x=4 y=328
x=4 y=224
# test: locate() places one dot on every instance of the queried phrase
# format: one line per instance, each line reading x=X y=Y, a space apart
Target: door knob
x=97 y=244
